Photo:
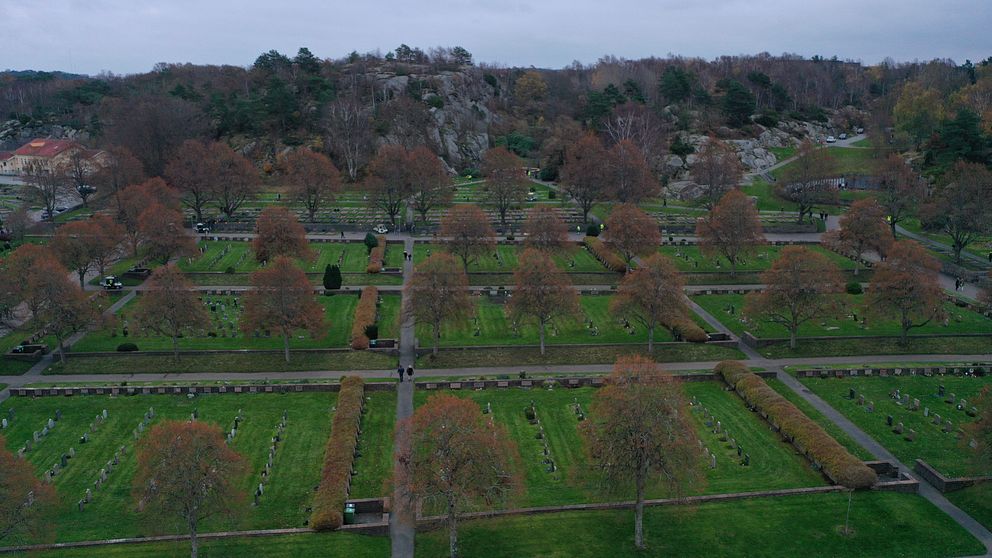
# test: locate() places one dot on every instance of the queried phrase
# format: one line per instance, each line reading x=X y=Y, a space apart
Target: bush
x=435 y=101
x=767 y=120
x=592 y=230
x=332 y=277
x=854 y=288
x=605 y=255
x=549 y=174
x=689 y=331
x=372 y=331
x=335 y=479
x=364 y=317
x=552 y=194
x=370 y=242
x=229 y=270
x=681 y=148
x=376 y=256
x=127 y=348
x=842 y=467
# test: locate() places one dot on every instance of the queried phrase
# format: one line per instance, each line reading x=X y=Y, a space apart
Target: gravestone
x=962 y=404
x=861 y=399
x=926 y=411
x=747 y=459
x=36 y=436
x=948 y=426
x=58 y=414
x=911 y=435
x=951 y=398
x=105 y=414
x=3 y=424
x=888 y=420
x=72 y=453
x=936 y=418
x=89 y=495
x=851 y=393
x=940 y=390
x=871 y=407
x=898 y=429
x=51 y=424
x=713 y=461
x=916 y=405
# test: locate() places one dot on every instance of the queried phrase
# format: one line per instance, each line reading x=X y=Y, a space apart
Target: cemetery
x=554 y=460
x=224 y=332
x=223 y=262
x=492 y=326
x=690 y=259
x=914 y=417
x=87 y=450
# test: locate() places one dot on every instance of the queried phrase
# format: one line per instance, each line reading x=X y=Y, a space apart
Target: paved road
x=402 y=520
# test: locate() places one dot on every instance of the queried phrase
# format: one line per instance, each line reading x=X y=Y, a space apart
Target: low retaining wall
x=757 y=342
x=942 y=483
x=427 y=350
x=962 y=370
x=163 y=538
x=582 y=381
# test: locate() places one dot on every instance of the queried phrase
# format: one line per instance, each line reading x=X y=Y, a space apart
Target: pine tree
x=332 y=278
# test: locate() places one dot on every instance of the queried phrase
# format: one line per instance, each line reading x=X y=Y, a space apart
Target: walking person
x=409 y=372
x=399 y=372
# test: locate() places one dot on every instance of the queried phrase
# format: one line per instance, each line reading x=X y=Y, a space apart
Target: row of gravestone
x=8 y=420
x=530 y=413
x=743 y=458
x=111 y=463
x=38 y=435
x=267 y=469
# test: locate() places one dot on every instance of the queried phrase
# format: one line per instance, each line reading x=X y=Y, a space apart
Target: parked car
x=111 y=283
x=831 y=139
x=380 y=229
x=842 y=136
x=861 y=130
x=202 y=228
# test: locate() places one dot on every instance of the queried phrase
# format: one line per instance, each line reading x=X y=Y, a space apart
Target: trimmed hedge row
x=838 y=464
x=376 y=256
x=335 y=479
x=364 y=316
x=689 y=330
x=605 y=255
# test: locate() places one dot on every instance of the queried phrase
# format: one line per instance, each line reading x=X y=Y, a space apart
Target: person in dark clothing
x=409 y=372
x=399 y=372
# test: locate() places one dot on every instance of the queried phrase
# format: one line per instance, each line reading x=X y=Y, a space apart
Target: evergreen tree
x=332 y=277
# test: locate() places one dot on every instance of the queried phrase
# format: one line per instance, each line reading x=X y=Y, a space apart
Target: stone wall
x=960 y=370
x=942 y=483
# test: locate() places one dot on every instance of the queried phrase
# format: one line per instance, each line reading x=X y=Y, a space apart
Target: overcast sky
x=128 y=36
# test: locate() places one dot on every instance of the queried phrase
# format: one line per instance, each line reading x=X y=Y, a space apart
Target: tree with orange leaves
x=807 y=181
x=506 y=181
x=545 y=231
x=585 y=175
x=136 y=199
x=799 y=287
x=631 y=180
x=542 y=292
x=467 y=233
x=313 y=179
x=733 y=229
x=57 y=301
x=26 y=503
x=236 y=180
x=862 y=228
x=278 y=233
x=107 y=238
x=430 y=184
x=187 y=473
x=631 y=232
x=388 y=182
x=162 y=233
x=457 y=460
x=640 y=433
x=281 y=299
x=906 y=286
x=169 y=306
x=437 y=294
x=74 y=247
x=652 y=294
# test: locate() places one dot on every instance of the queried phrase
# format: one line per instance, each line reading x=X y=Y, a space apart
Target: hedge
x=335 y=479
x=689 y=330
x=605 y=255
x=364 y=317
x=376 y=256
x=838 y=464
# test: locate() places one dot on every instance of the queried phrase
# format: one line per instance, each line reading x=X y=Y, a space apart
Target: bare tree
x=585 y=174
x=45 y=186
x=631 y=232
x=717 y=171
x=506 y=181
x=430 y=184
x=542 y=292
x=652 y=294
x=467 y=233
x=808 y=180
x=348 y=125
x=733 y=229
x=438 y=294
x=313 y=179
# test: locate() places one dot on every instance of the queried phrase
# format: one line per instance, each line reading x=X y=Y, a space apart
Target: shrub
x=335 y=479
x=820 y=447
x=689 y=331
x=767 y=120
x=127 y=348
x=332 y=277
x=229 y=270
x=435 y=101
x=854 y=288
x=376 y=255
x=364 y=317
x=592 y=230
x=370 y=242
x=681 y=148
x=605 y=255
x=552 y=194
x=372 y=331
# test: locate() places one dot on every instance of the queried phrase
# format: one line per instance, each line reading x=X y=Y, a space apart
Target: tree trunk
x=175 y=348
x=452 y=530
x=892 y=225
x=847 y=520
x=61 y=351
x=542 y=338
x=82 y=274
x=733 y=267
x=437 y=338
x=285 y=345
x=194 y=545
x=651 y=339
x=639 y=513
x=792 y=337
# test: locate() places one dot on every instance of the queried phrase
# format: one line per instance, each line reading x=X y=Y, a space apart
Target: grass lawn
x=323 y=545
x=847 y=160
x=351 y=257
x=14 y=338
x=828 y=425
x=347 y=279
x=119 y=267
x=375 y=462
x=513 y=356
x=223 y=363
x=782 y=153
x=886 y=525
x=691 y=259
x=773 y=463
x=505 y=260
x=976 y=501
x=495 y=328
x=288 y=492
x=224 y=312
x=960 y=320
x=875 y=346
x=945 y=452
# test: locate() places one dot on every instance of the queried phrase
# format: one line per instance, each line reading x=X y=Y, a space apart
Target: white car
x=831 y=139
x=842 y=136
x=380 y=229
